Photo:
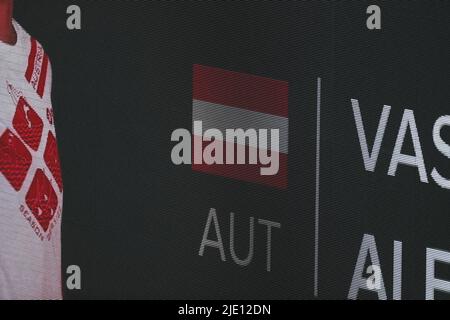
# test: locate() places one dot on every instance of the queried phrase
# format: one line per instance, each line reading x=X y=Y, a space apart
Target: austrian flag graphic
x=224 y=100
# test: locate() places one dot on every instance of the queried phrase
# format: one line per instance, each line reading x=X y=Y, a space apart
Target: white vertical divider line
x=317 y=202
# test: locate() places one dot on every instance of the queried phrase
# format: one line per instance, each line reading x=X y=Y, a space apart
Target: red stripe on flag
x=31 y=60
x=43 y=76
x=240 y=90
x=244 y=172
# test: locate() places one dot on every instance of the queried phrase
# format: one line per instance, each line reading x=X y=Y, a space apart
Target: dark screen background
x=133 y=221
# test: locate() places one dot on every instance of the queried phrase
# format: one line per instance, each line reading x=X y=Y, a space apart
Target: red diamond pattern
x=42 y=199
x=28 y=124
x=15 y=159
x=52 y=159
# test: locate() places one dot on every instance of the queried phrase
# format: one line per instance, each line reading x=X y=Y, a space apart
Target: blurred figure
x=31 y=190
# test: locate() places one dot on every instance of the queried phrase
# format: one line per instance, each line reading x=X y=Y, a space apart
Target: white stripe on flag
x=224 y=117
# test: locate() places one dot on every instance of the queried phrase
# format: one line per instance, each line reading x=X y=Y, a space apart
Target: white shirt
x=31 y=190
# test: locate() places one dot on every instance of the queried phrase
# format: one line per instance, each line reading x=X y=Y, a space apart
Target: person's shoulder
x=38 y=67
x=25 y=40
